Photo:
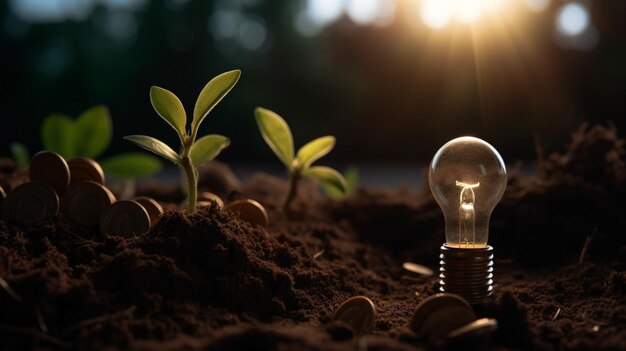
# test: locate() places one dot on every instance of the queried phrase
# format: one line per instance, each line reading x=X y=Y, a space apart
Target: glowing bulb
x=467 y=178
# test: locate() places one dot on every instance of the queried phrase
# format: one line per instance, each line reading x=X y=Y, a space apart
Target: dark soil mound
x=211 y=281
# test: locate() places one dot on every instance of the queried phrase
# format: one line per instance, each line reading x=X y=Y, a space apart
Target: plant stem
x=192 y=184
x=294 y=177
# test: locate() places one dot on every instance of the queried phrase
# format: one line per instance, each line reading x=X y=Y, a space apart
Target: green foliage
x=20 y=154
x=194 y=153
x=277 y=135
x=352 y=182
x=131 y=165
x=89 y=136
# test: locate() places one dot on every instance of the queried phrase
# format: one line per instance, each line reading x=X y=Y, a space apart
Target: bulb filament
x=467 y=214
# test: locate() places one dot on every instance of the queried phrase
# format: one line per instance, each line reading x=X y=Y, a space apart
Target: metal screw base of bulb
x=467 y=272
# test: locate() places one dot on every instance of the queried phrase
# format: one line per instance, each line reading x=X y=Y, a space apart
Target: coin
x=31 y=201
x=50 y=168
x=208 y=197
x=437 y=315
x=3 y=195
x=125 y=218
x=249 y=211
x=476 y=330
x=83 y=169
x=84 y=203
x=152 y=207
x=417 y=268
x=359 y=312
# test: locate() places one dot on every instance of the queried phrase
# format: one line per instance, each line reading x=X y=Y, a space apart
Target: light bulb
x=467 y=178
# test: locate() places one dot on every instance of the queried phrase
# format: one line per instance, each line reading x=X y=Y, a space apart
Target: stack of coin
x=440 y=314
x=84 y=203
x=31 y=201
x=125 y=218
x=85 y=169
x=155 y=211
x=50 y=168
x=249 y=211
x=358 y=312
x=205 y=198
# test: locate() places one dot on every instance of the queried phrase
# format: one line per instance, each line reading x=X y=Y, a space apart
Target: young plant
x=352 y=182
x=193 y=152
x=90 y=135
x=277 y=135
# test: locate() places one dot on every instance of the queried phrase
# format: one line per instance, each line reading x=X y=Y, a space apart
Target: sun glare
x=439 y=13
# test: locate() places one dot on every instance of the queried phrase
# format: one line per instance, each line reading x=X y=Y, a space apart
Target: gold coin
x=417 y=268
x=249 y=211
x=84 y=169
x=155 y=211
x=84 y=203
x=31 y=201
x=50 y=168
x=476 y=330
x=359 y=312
x=438 y=315
x=206 y=196
x=125 y=218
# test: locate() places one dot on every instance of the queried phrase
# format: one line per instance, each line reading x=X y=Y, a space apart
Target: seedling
x=193 y=152
x=277 y=135
x=90 y=135
x=352 y=182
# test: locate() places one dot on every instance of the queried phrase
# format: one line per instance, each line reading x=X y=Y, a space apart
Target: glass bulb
x=467 y=178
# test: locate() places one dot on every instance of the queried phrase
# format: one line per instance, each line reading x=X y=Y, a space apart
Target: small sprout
x=20 y=154
x=89 y=136
x=277 y=135
x=194 y=152
x=352 y=182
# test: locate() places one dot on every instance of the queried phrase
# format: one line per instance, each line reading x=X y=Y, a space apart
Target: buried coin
x=476 y=330
x=84 y=169
x=31 y=201
x=3 y=195
x=50 y=168
x=249 y=211
x=206 y=196
x=359 y=312
x=155 y=211
x=438 y=315
x=417 y=268
x=125 y=218
x=84 y=203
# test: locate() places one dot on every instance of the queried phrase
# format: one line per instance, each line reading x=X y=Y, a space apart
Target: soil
x=209 y=281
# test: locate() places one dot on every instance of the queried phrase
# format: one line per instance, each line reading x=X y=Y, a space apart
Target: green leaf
x=212 y=93
x=276 y=134
x=167 y=105
x=57 y=135
x=327 y=176
x=131 y=165
x=154 y=145
x=20 y=154
x=352 y=182
x=207 y=148
x=93 y=132
x=314 y=150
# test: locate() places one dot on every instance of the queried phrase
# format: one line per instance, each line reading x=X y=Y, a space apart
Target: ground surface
x=211 y=281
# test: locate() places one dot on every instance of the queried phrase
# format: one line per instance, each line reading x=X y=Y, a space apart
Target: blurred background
x=392 y=79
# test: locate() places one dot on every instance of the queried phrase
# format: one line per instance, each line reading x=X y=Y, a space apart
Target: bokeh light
x=537 y=5
x=572 y=19
x=436 y=13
